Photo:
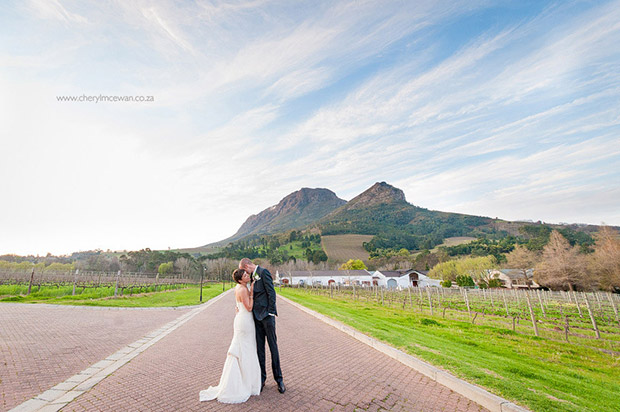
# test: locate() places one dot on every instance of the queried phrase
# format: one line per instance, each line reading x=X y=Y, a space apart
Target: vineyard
x=26 y=282
x=588 y=319
x=340 y=248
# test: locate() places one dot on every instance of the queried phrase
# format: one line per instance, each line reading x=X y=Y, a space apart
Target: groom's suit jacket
x=264 y=295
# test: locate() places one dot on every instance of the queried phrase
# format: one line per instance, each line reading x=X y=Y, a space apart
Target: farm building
x=515 y=278
x=390 y=279
x=324 y=277
x=404 y=278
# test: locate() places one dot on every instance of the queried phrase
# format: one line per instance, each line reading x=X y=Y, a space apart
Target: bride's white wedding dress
x=241 y=375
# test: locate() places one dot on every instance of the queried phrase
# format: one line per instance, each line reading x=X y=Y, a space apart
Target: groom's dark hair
x=237 y=275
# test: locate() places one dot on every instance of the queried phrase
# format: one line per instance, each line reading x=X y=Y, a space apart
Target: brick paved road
x=43 y=345
x=324 y=370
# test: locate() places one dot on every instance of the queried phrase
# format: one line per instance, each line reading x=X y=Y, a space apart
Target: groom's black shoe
x=281 y=387
x=262 y=387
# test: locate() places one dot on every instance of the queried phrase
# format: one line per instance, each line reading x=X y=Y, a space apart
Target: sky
x=506 y=109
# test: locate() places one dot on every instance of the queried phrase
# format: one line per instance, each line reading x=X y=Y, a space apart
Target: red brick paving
x=324 y=370
x=43 y=345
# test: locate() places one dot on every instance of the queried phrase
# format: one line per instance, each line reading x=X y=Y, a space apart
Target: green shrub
x=429 y=322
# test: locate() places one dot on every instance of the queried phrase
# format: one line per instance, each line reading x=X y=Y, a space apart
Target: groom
x=265 y=320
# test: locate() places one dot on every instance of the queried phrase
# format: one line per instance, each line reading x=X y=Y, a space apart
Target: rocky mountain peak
x=380 y=192
x=296 y=210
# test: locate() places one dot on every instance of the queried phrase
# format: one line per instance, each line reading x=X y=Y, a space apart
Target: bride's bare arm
x=247 y=297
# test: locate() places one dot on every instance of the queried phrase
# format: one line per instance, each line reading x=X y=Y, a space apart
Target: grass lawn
x=180 y=296
x=539 y=374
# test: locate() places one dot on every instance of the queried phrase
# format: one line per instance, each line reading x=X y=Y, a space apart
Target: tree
x=446 y=284
x=444 y=270
x=478 y=268
x=605 y=261
x=465 y=280
x=352 y=264
x=183 y=264
x=495 y=283
x=562 y=266
x=523 y=259
x=165 y=268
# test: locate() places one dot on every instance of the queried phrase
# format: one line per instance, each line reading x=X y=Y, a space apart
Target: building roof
x=399 y=273
x=392 y=273
x=323 y=273
x=515 y=274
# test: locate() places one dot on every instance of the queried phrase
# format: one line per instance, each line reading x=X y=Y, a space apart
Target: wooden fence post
x=529 y=305
x=594 y=325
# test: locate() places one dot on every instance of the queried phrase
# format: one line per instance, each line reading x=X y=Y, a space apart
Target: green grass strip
x=540 y=374
x=170 y=296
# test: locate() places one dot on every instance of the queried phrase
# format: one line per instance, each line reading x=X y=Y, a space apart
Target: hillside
x=340 y=248
x=381 y=212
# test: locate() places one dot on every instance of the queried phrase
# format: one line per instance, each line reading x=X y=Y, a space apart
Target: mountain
x=381 y=211
x=377 y=194
x=296 y=210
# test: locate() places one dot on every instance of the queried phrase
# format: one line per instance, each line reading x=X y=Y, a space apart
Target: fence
x=90 y=279
x=590 y=319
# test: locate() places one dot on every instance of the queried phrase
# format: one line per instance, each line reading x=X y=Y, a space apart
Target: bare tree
x=183 y=265
x=522 y=258
x=562 y=266
x=605 y=261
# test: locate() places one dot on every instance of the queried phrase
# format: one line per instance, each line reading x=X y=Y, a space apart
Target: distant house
x=515 y=278
x=404 y=278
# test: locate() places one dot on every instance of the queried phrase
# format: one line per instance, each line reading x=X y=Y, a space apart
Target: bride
x=241 y=375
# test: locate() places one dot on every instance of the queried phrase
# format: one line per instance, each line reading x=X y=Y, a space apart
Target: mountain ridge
x=381 y=210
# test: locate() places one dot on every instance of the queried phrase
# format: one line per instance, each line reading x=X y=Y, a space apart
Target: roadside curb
x=65 y=392
x=475 y=393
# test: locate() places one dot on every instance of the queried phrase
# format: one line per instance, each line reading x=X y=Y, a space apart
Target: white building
x=364 y=278
x=324 y=277
x=404 y=278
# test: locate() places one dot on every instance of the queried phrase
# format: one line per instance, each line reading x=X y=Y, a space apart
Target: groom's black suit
x=264 y=308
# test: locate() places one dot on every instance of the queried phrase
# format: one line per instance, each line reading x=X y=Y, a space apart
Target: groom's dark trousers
x=264 y=308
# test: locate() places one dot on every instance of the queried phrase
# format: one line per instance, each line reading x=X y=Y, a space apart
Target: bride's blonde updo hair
x=237 y=275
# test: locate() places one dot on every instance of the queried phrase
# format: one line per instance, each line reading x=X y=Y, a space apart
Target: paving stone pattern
x=324 y=370
x=43 y=345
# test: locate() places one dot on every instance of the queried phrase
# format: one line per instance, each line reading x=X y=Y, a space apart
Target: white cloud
x=256 y=99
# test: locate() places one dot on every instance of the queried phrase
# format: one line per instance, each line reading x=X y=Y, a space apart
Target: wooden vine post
x=31 y=279
x=118 y=275
x=467 y=301
x=529 y=305
x=594 y=325
x=542 y=307
x=75 y=280
x=430 y=300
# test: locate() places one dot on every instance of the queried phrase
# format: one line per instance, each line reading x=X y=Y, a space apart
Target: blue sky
x=501 y=109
